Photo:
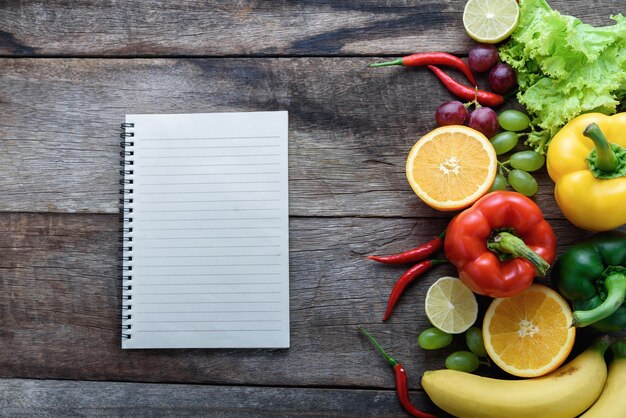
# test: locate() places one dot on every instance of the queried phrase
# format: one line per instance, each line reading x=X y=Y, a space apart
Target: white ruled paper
x=209 y=249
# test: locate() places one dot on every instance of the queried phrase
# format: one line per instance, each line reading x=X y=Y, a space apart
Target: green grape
x=433 y=339
x=513 y=120
x=523 y=182
x=474 y=341
x=504 y=142
x=499 y=183
x=464 y=361
x=527 y=160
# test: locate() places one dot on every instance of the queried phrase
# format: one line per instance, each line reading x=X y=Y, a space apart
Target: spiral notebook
x=205 y=254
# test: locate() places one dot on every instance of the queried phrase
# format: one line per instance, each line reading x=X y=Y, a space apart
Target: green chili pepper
x=592 y=275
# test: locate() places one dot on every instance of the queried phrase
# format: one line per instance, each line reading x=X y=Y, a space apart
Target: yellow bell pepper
x=589 y=170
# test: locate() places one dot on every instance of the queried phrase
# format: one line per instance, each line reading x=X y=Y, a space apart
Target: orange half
x=529 y=334
x=451 y=167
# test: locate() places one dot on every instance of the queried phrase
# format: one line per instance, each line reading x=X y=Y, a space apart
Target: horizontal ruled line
x=208 y=274
x=215 y=182
x=207 y=255
x=212 y=146
x=212 y=138
x=211 y=201
x=203 y=165
x=207 y=284
x=211 y=330
x=202 y=312
x=208 y=303
x=213 y=237
x=144 y=157
x=211 y=293
x=214 y=228
x=208 y=219
x=206 y=210
x=143 y=246
x=210 y=191
x=206 y=174
x=208 y=265
x=202 y=183
x=208 y=322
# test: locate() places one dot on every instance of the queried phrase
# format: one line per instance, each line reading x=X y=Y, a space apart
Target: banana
x=563 y=393
x=612 y=401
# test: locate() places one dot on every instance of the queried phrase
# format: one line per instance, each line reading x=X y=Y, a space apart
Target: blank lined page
x=210 y=251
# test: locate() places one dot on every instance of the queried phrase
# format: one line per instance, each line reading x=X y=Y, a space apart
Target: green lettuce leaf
x=565 y=67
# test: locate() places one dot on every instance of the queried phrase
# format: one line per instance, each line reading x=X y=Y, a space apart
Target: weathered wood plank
x=262 y=28
x=351 y=127
x=55 y=398
x=60 y=300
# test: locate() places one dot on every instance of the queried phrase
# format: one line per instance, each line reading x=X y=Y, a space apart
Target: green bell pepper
x=592 y=275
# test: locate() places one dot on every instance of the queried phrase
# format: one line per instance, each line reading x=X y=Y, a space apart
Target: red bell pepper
x=500 y=244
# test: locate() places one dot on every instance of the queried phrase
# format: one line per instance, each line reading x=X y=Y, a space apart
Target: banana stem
x=619 y=349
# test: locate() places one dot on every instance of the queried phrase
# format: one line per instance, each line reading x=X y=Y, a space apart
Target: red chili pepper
x=431 y=58
x=406 y=279
x=485 y=98
x=402 y=388
x=411 y=256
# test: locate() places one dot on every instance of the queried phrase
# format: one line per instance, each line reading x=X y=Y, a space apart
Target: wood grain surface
x=61 y=300
x=350 y=127
x=45 y=398
x=238 y=28
x=70 y=71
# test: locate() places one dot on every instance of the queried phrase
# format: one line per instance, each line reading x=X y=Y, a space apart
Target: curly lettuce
x=565 y=67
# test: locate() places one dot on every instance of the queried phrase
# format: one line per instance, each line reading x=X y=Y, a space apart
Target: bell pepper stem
x=605 y=160
x=507 y=243
x=615 y=285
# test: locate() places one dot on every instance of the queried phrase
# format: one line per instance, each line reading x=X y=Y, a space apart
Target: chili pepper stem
x=605 y=160
x=392 y=361
x=387 y=63
x=615 y=285
x=507 y=243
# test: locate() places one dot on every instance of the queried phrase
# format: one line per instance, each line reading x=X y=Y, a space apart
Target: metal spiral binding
x=126 y=218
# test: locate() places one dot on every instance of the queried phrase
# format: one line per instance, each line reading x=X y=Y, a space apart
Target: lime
x=450 y=305
x=490 y=21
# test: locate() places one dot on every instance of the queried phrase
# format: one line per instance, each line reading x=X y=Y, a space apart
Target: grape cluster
x=465 y=361
x=522 y=163
x=502 y=79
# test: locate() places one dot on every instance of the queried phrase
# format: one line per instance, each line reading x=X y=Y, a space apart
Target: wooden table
x=70 y=71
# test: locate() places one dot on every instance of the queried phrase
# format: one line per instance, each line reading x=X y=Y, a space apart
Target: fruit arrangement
x=499 y=241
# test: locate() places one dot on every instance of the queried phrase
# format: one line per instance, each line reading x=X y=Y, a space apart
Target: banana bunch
x=564 y=393
x=612 y=402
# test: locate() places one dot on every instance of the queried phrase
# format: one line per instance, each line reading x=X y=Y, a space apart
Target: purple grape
x=484 y=120
x=451 y=113
x=483 y=57
x=502 y=78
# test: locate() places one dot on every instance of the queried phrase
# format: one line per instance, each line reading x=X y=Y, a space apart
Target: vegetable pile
x=570 y=76
x=565 y=67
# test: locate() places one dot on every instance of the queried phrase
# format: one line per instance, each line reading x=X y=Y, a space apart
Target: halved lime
x=450 y=305
x=490 y=21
